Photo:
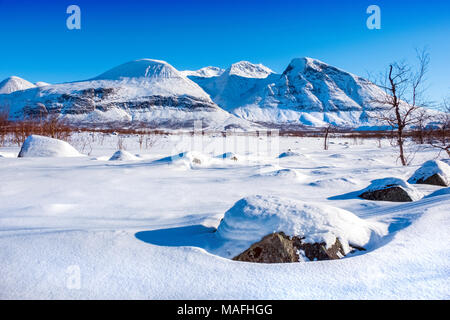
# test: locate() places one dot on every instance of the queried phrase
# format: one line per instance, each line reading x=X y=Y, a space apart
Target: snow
x=122 y=155
x=385 y=183
x=13 y=84
x=255 y=217
x=40 y=146
x=308 y=93
x=289 y=154
x=145 y=229
x=430 y=168
x=206 y=72
x=247 y=69
x=133 y=83
x=42 y=84
x=441 y=192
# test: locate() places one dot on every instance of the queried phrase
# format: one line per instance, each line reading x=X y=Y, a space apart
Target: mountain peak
x=249 y=70
x=13 y=84
x=206 y=72
x=143 y=68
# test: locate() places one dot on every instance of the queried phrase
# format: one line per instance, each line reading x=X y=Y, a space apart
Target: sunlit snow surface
x=143 y=229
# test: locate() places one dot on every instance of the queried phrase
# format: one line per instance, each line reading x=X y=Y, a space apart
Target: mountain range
x=309 y=93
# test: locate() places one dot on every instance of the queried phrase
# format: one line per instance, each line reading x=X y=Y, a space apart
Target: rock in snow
x=122 y=155
x=39 y=146
x=254 y=218
x=391 y=189
x=432 y=172
x=279 y=248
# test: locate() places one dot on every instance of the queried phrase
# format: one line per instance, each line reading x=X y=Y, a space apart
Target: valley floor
x=89 y=228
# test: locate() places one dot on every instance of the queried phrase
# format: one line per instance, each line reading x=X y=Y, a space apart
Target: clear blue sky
x=190 y=34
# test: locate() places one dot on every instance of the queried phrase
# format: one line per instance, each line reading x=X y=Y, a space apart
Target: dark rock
x=279 y=248
x=435 y=180
x=393 y=194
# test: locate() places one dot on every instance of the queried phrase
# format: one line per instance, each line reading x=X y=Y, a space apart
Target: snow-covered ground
x=86 y=227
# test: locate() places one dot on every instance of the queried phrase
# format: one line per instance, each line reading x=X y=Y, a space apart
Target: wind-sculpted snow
x=146 y=229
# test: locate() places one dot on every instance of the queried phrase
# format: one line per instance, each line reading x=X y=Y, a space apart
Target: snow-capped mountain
x=240 y=79
x=247 y=69
x=13 y=84
x=309 y=92
x=206 y=72
x=146 y=90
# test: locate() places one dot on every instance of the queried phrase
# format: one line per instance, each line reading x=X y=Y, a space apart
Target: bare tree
x=398 y=108
x=440 y=137
x=327 y=131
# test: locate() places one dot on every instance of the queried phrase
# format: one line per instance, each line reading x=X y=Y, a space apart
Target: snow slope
x=13 y=84
x=206 y=72
x=142 y=230
x=228 y=89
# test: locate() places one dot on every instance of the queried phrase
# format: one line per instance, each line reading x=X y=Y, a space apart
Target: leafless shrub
x=404 y=97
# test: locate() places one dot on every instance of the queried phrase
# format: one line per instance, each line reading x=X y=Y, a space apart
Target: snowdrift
x=40 y=146
x=122 y=155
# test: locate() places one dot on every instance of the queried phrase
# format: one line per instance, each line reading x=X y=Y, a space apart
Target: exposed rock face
x=435 y=180
x=394 y=194
x=279 y=248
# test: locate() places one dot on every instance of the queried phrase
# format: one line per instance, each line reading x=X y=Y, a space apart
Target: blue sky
x=190 y=34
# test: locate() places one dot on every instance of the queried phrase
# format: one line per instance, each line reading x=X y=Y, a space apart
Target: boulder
x=432 y=172
x=390 y=189
x=271 y=229
x=279 y=248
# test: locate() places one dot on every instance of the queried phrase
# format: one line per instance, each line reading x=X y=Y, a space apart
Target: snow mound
x=190 y=159
x=255 y=217
x=333 y=182
x=13 y=84
x=289 y=154
x=429 y=169
x=386 y=183
x=283 y=173
x=122 y=155
x=247 y=69
x=228 y=156
x=40 y=146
